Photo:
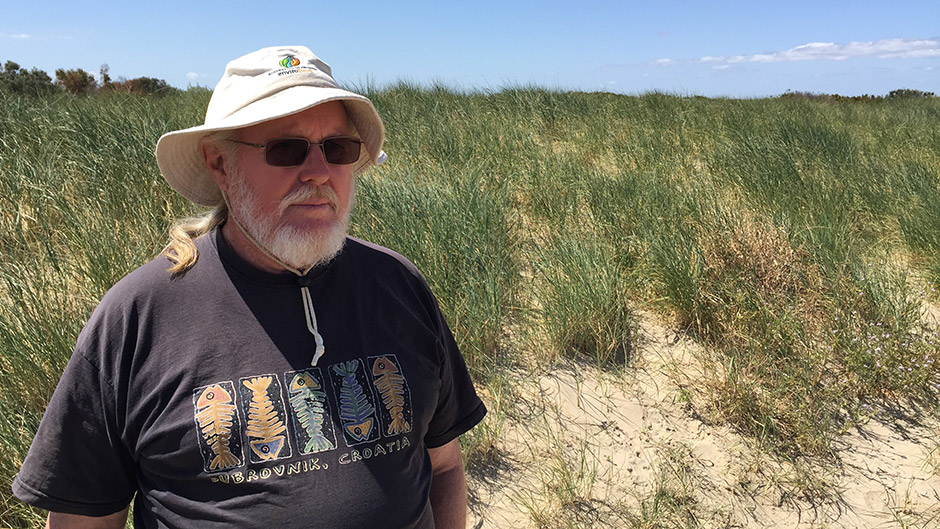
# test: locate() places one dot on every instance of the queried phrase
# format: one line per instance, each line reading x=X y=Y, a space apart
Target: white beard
x=299 y=249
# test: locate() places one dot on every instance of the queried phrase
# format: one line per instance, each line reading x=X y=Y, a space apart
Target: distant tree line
x=901 y=93
x=76 y=81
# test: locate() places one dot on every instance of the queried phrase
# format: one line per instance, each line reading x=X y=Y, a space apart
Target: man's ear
x=215 y=163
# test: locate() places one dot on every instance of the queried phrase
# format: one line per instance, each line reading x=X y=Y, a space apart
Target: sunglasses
x=290 y=152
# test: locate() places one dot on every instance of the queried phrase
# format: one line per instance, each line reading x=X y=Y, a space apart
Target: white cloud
x=27 y=36
x=663 y=62
x=912 y=54
x=831 y=51
x=192 y=76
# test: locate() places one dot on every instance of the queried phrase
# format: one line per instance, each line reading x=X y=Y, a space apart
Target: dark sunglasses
x=290 y=152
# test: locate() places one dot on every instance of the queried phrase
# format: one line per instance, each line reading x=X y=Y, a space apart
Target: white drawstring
x=309 y=313
x=312 y=325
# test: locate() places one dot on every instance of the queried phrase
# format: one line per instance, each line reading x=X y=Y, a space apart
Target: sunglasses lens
x=287 y=152
x=341 y=151
x=290 y=152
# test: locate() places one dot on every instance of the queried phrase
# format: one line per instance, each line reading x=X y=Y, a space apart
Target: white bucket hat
x=264 y=85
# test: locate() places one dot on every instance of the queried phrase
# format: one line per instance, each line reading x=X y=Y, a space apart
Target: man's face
x=300 y=214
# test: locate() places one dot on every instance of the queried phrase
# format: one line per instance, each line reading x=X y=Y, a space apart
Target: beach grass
x=796 y=240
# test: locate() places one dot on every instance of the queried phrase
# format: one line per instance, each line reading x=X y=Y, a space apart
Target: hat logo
x=289 y=61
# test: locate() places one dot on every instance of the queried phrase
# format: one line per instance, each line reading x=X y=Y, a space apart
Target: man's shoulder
x=147 y=278
x=375 y=255
x=383 y=274
x=154 y=279
x=149 y=293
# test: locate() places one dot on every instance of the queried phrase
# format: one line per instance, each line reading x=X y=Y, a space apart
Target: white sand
x=586 y=448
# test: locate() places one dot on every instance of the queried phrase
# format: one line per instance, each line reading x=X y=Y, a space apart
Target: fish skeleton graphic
x=391 y=384
x=264 y=424
x=355 y=410
x=214 y=415
x=306 y=398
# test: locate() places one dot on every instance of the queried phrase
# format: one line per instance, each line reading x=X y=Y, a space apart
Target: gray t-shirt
x=196 y=394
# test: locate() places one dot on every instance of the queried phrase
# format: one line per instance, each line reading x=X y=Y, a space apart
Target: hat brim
x=179 y=153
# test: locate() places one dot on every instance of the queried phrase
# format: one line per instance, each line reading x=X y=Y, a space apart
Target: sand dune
x=587 y=448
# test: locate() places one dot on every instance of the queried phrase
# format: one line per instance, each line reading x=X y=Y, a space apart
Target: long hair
x=181 y=250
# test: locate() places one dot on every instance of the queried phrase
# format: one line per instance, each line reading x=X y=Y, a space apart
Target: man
x=267 y=370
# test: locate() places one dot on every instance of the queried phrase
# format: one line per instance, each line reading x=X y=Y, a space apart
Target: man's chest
x=242 y=402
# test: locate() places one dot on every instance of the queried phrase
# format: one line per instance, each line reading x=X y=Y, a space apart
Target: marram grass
x=799 y=241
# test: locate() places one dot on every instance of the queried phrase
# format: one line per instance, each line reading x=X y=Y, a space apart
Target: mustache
x=307 y=192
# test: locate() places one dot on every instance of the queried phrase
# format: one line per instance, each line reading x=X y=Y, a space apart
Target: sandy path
x=585 y=448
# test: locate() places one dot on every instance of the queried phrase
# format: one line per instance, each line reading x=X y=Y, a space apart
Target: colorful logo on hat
x=290 y=61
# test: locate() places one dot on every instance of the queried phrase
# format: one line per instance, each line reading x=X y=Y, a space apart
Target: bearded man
x=266 y=370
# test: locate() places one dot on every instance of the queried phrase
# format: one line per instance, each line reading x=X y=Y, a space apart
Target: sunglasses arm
x=255 y=145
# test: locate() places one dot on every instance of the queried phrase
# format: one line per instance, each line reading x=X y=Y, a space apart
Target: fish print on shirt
x=250 y=423
x=216 y=421
x=396 y=415
x=313 y=428
x=265 y=418
x=356 y=402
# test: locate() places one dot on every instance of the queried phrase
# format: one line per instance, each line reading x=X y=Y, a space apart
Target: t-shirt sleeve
x=458 y=408
x=77 y=463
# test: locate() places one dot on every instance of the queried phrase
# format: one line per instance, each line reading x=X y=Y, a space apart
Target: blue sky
x=737 y=49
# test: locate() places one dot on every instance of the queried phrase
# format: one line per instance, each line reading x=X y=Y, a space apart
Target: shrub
x=908 y=93
x=142 y=86
x=76 y=81
x=21 y=81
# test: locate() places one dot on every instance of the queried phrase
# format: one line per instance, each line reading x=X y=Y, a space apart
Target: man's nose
x=315 y=169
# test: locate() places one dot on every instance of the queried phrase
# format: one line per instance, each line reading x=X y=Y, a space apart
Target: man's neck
x=247 y=250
